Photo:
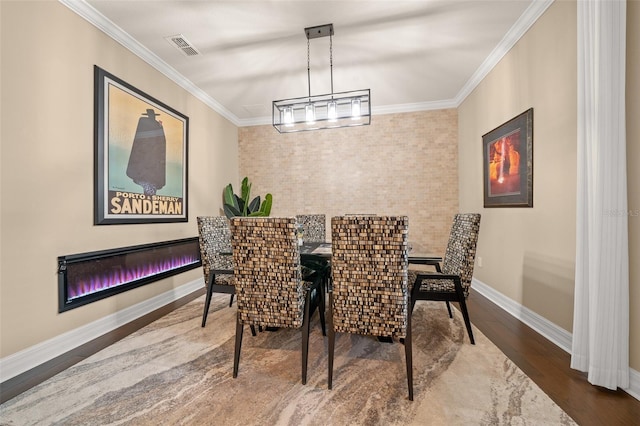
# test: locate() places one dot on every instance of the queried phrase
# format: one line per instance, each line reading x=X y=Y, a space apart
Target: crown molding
x=86 y=11
x=414 y=107
x=258 y=121
x=528 y=18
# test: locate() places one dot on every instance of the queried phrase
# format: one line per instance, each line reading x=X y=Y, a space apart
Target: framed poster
x=508 y=163
x=140 y=156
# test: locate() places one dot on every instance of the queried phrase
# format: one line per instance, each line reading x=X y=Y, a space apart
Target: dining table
x=322 y=250
x=317 y=254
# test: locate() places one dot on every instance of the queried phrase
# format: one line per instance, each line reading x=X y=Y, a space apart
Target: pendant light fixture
x=329 y=111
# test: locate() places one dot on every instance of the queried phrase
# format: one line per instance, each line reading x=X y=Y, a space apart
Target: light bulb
x=355 y=108
x=288 y=116
x=332 y=111
x=310 y=113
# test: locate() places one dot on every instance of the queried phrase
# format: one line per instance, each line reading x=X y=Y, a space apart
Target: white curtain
x=601 y=304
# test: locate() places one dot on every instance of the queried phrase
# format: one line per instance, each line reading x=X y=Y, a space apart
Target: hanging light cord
x=331 y=59
x=309 y=63
x=308 y=70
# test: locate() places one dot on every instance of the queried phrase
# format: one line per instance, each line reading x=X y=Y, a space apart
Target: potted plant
x=239 y=205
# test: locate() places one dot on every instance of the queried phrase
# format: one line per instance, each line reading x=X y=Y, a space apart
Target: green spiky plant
x=235 y=205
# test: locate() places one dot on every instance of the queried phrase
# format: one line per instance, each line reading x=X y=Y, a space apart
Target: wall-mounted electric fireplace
x=87 y=277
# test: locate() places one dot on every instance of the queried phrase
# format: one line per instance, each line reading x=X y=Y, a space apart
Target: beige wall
x=48 y=54
x=529 y=253
x=633 y=178
x=402 y=164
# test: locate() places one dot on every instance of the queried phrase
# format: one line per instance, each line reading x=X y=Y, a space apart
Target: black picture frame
x=508 y=163
x=140 y=159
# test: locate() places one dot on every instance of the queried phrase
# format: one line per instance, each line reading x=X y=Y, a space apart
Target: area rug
x=175 y=372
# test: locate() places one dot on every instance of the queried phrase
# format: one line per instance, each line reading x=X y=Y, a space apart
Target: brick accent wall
x=402 y=164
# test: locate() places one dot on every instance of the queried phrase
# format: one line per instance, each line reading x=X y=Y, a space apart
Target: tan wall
x=529 y=253
x=401 y=164
x=633 y=177
x=48 y=54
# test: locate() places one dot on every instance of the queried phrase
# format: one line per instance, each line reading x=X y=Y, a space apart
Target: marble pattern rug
x=175 y=372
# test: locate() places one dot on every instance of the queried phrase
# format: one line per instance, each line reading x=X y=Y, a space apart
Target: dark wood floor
x=546 y=364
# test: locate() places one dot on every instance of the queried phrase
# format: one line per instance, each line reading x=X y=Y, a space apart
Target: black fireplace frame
x=66 y=303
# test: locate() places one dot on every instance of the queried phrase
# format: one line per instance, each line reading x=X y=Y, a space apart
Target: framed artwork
x=508 y=163
x=140 y=156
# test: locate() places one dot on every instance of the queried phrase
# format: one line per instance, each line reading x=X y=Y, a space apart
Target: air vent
x=182 y=44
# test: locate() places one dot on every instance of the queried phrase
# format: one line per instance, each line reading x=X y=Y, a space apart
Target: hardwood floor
x=546 y=364
x=31 y=378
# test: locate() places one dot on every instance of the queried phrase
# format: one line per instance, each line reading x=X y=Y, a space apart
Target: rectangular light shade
x=331 y=111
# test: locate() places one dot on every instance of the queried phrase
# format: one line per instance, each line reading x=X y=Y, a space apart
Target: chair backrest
x=267 y=273
x=460 y=255
x=313 y=227
x=215 y=238
x=369 y=270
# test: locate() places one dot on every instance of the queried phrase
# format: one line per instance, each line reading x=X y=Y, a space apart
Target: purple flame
x=103 y=280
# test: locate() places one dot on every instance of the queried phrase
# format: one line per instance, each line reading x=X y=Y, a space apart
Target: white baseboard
x=557 y=335
x=36 y=355
x=634 y=384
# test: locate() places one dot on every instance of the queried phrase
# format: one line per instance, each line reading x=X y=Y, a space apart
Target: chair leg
x=236 y=355
x=467 y=321
x=231 y=301
x=322 y=308
x=207 y=301
x=327 y=280
x=332 y=342
x=415 y=290
x=408 y=353
x=253 y=329
x=306 y=325
x=449 y=309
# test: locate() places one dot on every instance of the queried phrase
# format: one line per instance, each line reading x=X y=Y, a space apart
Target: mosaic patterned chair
x=272 y=288
x=314 y=231
x=313 y=227
x=452 y=281
x=370 y=289
x=215 y=241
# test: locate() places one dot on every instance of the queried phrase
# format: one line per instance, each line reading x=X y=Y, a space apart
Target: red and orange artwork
x=504 y=165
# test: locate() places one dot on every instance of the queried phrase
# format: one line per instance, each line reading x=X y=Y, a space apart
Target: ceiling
x=413 y=55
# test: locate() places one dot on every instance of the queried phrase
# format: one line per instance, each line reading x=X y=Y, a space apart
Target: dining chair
x=214 y=237
x=313 y=227
x=370 y=293
x=451 y=281
x=273 y=289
